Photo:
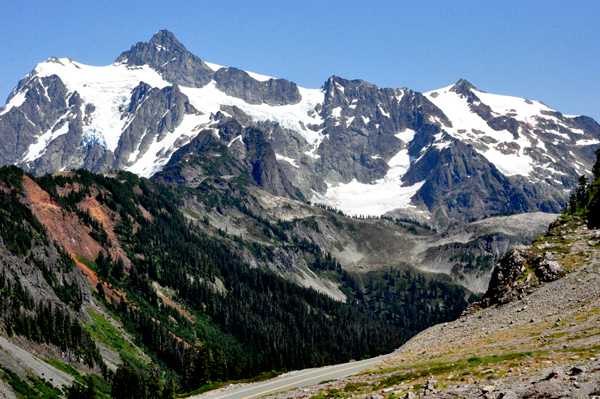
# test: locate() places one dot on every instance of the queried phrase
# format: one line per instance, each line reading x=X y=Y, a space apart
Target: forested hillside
x=183 y=289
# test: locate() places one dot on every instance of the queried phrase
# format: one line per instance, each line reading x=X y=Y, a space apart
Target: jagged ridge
x=349 y=144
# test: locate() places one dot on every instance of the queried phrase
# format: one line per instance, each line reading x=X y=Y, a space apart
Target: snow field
x=381 y=196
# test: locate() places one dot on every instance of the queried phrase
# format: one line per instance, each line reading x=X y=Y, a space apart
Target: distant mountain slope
x=223 y=178
x=456 y=153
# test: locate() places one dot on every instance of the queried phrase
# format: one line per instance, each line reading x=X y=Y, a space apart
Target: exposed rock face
x=462 y=182
x=265 y=170
x=45 y=102
x=165 y=54
x=153 y=114
x=505 y=274
x=240 y=84
x=361 y=122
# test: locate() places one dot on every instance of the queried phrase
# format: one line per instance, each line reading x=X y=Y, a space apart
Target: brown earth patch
x=169 y=302
x=63 y=227
x=68 y=189
x=145 y=213
x=107 y=219
x=68 y=230
x=137 y=190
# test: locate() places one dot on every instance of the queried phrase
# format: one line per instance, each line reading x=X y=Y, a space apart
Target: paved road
x=292 y=380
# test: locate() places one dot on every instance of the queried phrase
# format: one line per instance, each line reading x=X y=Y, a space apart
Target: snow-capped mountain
x=457 y=152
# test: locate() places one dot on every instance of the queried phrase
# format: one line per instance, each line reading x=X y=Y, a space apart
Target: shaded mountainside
x=465 y=253
x=250 y=156
x=453 y=154
x=123 y=260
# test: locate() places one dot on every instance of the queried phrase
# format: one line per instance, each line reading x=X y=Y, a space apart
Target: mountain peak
x=166 y=39
x=166 y=55
x=462 y=87
x=145 y=52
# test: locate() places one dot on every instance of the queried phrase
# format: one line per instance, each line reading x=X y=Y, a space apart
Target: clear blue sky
x=541 y=50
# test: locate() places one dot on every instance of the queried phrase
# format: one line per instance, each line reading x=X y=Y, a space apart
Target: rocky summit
x=453 y=154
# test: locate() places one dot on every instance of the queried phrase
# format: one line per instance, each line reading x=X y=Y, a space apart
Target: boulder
x=505 y=274
x=431 y=385
x=555 y=373
x=549 y=269
x=488 y=389
x=578 y=370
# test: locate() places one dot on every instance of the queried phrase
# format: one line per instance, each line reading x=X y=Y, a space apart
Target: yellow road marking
x=312 y=378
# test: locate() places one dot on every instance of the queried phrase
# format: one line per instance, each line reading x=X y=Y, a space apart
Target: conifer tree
x=126 y=383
